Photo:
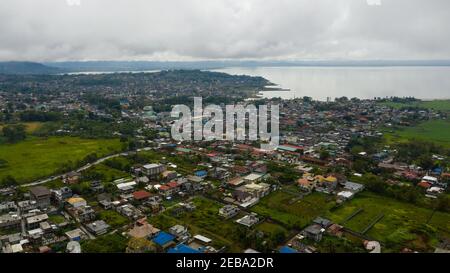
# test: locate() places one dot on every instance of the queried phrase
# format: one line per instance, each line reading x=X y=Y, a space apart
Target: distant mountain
x=28 y=68
x=118 y=66
x=115 y=66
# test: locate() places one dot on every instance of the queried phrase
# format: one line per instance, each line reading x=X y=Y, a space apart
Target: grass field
x=30 y=127
x=439 y=105
x=437 y=131
x=403 y=224
x=108 y=174
x=285 y=208
x=38 y=157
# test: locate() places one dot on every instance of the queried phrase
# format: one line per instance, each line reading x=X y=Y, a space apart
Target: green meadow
x=403 y=224
x=437 y=131
x=293 y=212
x=438 y=105
x=36 y=158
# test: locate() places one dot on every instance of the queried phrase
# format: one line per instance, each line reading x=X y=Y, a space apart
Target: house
x=327 y=184
x=228 y=211
x=194 y=178
x=424 y=184
x=98 y=227
x=220 y=173
x=180 y=232
x=258 y=167
x=76 y=202
x=129 y=211
x=306 y=184
x=435 y=190
x=96 y=186
x=201 y=173
x=34 y=221
x=75 y=235
x=314 y=232
x=84 y=214
x=202 y=239
x=248 y=220
x=72 y=178
x=164 y=240
x=153 y=170
x=430 y=179
x=287 y=250
x=253 y=177
x=61 y=194
x=183 y=249
x=126 y=187
x=234 y=182
x=325 y=223
x=169 y=175
x=241 y=195
x=353 y=187
x=145 y=230
x=345 y=195
x=41 y=195
x=141 y=195
x=10 y=220
x=257 y=190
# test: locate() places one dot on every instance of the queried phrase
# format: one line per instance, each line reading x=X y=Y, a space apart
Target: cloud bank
x=61 y=30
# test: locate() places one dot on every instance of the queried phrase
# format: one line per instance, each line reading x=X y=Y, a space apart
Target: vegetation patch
x=35 y=158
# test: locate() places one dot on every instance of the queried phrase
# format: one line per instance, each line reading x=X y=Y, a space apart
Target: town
x=87 y=164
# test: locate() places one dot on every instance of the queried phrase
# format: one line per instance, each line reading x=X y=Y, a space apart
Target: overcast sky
x=57 y=30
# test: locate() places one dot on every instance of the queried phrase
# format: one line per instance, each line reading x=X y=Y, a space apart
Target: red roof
x=139 y=195
x=294 y=146
x=164 y=188
x=172 y=184
x=424 y=184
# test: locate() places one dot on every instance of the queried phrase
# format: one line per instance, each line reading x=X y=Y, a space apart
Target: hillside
x=27 y=68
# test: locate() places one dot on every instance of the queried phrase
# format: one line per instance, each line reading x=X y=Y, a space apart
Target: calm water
x=362 y=82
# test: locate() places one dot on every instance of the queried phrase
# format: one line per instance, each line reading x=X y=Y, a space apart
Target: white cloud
x=223 y=29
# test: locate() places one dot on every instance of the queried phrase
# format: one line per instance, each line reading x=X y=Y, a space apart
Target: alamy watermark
x=242 y=122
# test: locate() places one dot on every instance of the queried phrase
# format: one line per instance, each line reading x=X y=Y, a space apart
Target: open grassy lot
x=30 y=127
x=204 y=220
x=437 y=131
x=291 y=211
x=40 y=157
x=112 y=218
x=438 y=105
x=106 y=173
x=271 y=229
x=403 y=224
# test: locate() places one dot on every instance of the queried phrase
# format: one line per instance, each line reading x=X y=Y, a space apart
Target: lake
x=425 y=82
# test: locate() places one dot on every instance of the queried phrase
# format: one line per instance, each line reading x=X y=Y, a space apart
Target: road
x=85 y=167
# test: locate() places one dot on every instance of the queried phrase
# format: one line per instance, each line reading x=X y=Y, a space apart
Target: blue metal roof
x=201 y=173
x=286 y=249
x=163 y=238
x=182 y=248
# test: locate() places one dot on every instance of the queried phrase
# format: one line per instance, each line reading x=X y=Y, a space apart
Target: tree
x=9 y=181
x=425 y=162
x=14 y=133
x=443 y=203
x=324 y=154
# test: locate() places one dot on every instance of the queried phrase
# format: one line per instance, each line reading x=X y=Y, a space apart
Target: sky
x=181 y=30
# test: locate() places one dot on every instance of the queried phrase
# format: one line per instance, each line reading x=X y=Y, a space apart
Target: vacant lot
x=38 y=157
x=292 y=211
x=437 y=131
x=403 y=224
